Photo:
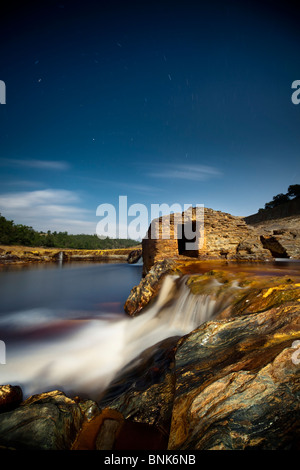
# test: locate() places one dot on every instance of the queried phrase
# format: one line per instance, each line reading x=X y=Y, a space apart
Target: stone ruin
x=220 y=236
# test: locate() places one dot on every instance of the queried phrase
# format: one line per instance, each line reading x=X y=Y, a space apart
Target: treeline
x=18 y=234
x=293 y=192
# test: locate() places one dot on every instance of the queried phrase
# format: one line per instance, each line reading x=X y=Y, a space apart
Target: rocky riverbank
x=232 y=383
x=24 y=255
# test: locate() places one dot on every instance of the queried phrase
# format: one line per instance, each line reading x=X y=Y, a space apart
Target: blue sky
x=164 y=102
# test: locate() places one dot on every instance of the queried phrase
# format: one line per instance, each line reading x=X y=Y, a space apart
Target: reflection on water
x=278 y=267
x=84 y=356
x=70 y=287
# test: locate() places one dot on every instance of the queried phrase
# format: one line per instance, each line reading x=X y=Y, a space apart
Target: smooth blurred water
x=43 y=306
x=49 y=348
x=64 y=327
x=72 y=288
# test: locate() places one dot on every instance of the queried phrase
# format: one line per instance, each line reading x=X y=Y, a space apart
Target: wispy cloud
x=20 y=183
x=48 y=209
x=139 y=188
x=34 y=199
x=186 y=172
x=37 y=164
x=132 y=187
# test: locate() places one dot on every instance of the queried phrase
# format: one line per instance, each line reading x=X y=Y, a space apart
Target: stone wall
x=223 y=236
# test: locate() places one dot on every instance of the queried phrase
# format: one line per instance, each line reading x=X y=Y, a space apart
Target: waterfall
x=60 y=258
x=88 y=359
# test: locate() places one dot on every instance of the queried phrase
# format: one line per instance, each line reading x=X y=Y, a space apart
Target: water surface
x=64 y=326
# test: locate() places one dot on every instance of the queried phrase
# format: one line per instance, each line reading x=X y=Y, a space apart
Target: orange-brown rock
x=232 y=383
x=100 y=432
x=237 y=379
x=243 y=410
x=148 y=288
x=110 y=431
x=10 y=397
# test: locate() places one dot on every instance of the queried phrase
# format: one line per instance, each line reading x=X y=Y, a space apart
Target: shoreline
x=19 y=255
x=250 y=345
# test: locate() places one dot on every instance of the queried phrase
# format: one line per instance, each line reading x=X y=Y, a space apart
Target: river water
x=44 y=308
x=64 y=327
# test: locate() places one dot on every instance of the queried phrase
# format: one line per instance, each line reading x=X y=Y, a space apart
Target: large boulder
x=282 y=243
x=234 y=382
x=231 y=383
x=48 y=421
x=237 y=380
x=145 y=391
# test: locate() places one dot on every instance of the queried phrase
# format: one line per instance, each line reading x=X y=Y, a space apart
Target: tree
x=277 y=201
x=280 y=199
x=11 y=234
x=294 y=190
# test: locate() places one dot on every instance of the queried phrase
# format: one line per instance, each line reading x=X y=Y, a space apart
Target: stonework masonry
x=223 y=236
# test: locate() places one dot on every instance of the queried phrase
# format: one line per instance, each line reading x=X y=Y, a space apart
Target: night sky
x=163 y=102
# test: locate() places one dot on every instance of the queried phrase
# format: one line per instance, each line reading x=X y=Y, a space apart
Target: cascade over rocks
x=148 y=288
x=231 y=383
x=235 y=380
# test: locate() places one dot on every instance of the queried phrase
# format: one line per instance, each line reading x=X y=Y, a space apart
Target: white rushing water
x=90 y=356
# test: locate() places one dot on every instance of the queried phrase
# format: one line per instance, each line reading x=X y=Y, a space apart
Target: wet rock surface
x=49 y=421
x=237 y=386
x=10 y=397
x=232 y=383
x=145 y=392
x=134 y=256
x=147 y=290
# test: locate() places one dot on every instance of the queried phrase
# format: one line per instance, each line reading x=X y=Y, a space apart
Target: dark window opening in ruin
x=182 y=240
